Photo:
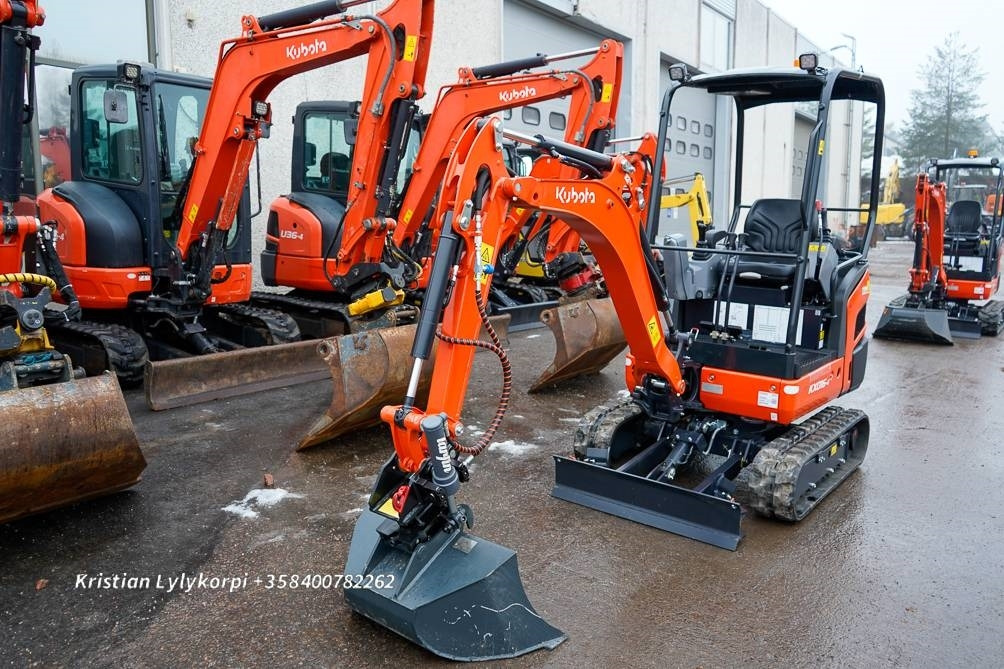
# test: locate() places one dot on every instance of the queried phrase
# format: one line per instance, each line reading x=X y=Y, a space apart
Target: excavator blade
x=64 y=443
x=369 y=370
x=910 y=323
x=185 y=381
x=456 y=595
x=587 y=336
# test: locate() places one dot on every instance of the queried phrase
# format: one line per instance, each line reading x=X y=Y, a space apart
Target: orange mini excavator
x=957 y=256
x=154 y=225
x=369 y=366
x=62 y=438
x=724 y=374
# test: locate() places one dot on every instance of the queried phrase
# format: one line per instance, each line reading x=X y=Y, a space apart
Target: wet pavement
x=901 y=566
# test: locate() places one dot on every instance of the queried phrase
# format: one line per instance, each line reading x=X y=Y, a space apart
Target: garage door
x=690 y=147
x=799 y=145
x=527 y=31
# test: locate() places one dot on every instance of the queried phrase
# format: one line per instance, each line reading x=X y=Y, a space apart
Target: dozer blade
x=202 y=378
x=370 y=370
x=63 y=443
x=587 y=336
x=665 y=506
x=457 y=595
x=919 y=324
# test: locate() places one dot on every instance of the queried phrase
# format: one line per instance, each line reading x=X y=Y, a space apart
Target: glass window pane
x=681 y=147
x=695 y=151
x=531 y=115
x=695 y=127
x=324 y=136
x=556 y=120
x=111 y=151
x=96 y=31
x=681 y=123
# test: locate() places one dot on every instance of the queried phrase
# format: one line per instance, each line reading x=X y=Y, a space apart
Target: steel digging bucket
x=368 y=371
x=456 y=595
x=587 y=336
x=64 y=443
x=910 y=323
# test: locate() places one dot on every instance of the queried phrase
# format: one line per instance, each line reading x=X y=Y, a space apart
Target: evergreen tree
x=945 y=118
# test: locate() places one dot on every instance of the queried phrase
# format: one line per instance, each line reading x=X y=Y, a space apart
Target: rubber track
x=991 y=317
x=775 y=469
x=125 y=351
x=279 y=302
x=281 y=327
x=597 y=426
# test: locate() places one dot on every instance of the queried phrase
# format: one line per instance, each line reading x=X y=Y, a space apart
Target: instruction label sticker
x=608 y=93
x=766 y=399
x=410 y=47
x=653 y=331
x=822 y=145
x=192 y=212
x=407 y=216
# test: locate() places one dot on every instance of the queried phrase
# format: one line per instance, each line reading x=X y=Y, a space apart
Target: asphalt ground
x=902 y=566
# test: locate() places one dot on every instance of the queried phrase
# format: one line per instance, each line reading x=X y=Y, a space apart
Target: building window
x=681 y=123
x=709 y=130
x=556 y=120
x=695 y=151
x=681 y=147
x=708 y=153
x=506 y=114
x=531 y=115
x=716 y=40
x=695 y=127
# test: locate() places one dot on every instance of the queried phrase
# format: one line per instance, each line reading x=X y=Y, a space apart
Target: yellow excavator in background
x=63 y=439
x=891 y=220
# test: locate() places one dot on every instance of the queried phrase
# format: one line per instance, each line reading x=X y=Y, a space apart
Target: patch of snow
x=512 y=447
x=568 y=420
x=262 y=498
x=533 y=336
x=516 y=416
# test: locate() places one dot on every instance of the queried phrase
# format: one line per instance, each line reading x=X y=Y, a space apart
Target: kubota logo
x=302 y=50
x=517 y=94
x=574 y=195
x=443 y=455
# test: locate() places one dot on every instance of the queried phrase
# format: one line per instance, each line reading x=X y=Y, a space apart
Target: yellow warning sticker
x=407 y=216
x=653 y=331
x=410 y=47
x=608 y=93
x=387 y=508
x=192 y=212
x=487 y=258
x=822 y=145
x=833 y=450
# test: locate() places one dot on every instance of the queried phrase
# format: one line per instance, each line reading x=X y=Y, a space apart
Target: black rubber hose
x=509 y=67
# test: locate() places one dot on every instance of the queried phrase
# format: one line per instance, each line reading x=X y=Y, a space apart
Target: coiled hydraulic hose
x=34 y=279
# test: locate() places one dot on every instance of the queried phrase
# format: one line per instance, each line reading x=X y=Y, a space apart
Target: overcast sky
x=895 y=38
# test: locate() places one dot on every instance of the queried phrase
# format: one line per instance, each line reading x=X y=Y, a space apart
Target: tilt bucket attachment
x=453 y=593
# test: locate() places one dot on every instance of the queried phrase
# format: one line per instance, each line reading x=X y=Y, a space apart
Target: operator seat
x=772 y=226
x=335 y=168
x=964 y=220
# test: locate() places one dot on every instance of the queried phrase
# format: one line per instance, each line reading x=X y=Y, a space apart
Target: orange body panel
x=973 y=290
x=71 y=234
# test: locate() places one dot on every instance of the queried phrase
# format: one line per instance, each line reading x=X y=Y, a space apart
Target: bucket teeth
x=63 y=443
x=587 y=336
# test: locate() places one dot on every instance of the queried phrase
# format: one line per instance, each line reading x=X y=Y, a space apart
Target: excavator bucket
x=185 y=381
x=368 y=371
x=587 y=336
x=457 y=595
x=914 y=323
x=64 y=443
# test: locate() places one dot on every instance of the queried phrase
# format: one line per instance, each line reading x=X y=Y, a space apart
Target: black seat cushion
x=772 y=226
x=964 y=219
